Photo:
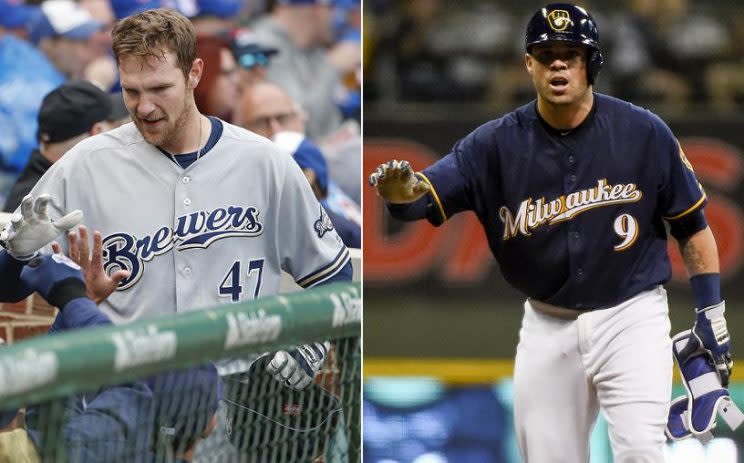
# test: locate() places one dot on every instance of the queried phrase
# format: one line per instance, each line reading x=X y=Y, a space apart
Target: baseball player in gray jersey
x=198 y=211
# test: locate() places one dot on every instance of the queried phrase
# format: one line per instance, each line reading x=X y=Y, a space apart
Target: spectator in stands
x=343 y=152
x=64 y=32
x=219 y=88
x=185 y=403
x=15 y=15
x=422 y=72
x=252 y=57
x=346 y=55
x=119 y=114
x=724 y=78
x=267 y=110
x=15 y=445
x=313 y=164
x=102 y=70
x=26 y=75
x=215 y=17
x=124 y=8
x=70 y=113
x=301 y=30
x=651 y=60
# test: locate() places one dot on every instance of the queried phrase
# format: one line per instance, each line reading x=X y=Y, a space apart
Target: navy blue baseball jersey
x=574 y=219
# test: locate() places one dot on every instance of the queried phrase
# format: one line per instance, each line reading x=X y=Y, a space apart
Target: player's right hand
x=396 y=183
x=100 y=285
x=58 y=279
x=710 y=328
x=32 y=229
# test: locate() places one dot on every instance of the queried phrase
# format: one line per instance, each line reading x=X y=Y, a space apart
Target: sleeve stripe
x=434 y=195
x=692 y=208
x=327 y=271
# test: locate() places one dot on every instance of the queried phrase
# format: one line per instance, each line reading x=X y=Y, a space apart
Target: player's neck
x=565 y=117
x=193 y=135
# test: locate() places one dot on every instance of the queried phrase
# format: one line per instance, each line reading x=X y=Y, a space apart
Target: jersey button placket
x=570 y=171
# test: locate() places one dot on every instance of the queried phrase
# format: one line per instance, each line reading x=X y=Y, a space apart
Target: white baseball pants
x=568 y=366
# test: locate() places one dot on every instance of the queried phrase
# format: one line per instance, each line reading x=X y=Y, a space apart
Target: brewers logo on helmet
x=558 y=20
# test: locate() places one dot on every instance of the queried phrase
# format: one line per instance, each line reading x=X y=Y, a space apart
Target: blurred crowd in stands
x=671 y=55
x=271 y=66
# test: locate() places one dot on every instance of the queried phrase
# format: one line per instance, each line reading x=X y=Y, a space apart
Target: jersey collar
x=563 y=133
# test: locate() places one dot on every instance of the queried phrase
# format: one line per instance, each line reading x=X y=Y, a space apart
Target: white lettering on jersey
x=195 y=230
x=532 y=214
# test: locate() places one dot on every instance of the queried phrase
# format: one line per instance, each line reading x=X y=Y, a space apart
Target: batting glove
x=397 y=183
x=57 y=278
x=710 y=328
x=32 y=229
x=297 y=368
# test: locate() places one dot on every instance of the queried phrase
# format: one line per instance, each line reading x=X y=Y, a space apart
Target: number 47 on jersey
x=231 y=285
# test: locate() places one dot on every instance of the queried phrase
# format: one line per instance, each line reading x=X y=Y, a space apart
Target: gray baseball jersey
x=220 y=230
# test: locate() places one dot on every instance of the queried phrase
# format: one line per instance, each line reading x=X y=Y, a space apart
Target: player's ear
x=195 y=73
x=528 y=62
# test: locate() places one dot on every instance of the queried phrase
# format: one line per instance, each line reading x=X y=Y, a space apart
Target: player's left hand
x=32 y=229
x=98 y=283
x=710 y=328
x=297 y=368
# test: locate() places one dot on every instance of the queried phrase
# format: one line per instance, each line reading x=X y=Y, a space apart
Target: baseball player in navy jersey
x=197 y=211
x=574 y=191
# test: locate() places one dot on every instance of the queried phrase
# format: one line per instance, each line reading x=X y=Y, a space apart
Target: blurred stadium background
x=440 y=324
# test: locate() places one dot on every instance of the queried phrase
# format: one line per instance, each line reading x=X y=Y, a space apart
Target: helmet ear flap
x=593 y=65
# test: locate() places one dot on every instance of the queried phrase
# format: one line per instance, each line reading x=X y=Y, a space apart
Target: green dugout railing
x=58 y=365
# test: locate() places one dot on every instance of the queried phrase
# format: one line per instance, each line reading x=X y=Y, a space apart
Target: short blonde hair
x=155 y=32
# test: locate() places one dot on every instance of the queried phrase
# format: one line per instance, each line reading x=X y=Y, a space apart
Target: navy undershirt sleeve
x=688 y=225
x=344 y=274
x=12 y=289
x=409 y=212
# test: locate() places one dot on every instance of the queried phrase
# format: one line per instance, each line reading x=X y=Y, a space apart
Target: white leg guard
x=695 y=414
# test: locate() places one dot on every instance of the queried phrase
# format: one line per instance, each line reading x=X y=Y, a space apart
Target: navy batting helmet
x=569 y=23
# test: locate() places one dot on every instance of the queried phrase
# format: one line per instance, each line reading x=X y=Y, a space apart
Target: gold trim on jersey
x=682 y=156
x=692 y=208
x=433 y=195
